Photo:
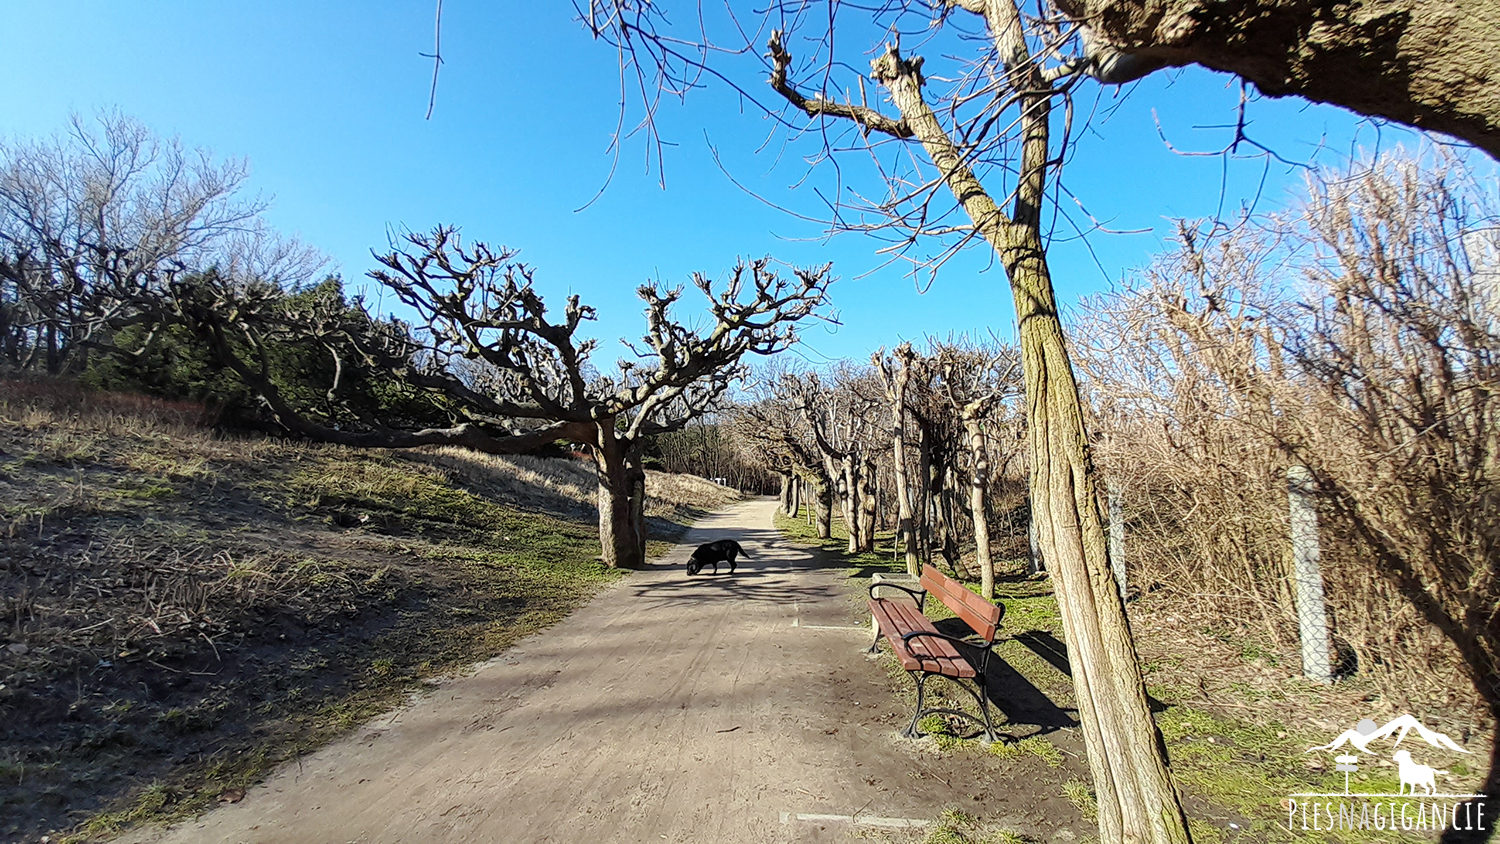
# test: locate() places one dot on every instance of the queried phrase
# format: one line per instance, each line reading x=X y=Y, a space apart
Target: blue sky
x=326 y=100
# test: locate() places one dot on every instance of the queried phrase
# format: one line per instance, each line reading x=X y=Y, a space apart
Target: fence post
x=1117 y=536
x=1312 y=616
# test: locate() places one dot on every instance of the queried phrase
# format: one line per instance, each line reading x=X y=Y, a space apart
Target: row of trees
x=120 y=252
x=930 y=442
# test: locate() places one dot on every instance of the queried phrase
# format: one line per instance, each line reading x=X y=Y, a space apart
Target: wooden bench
x=925 y=652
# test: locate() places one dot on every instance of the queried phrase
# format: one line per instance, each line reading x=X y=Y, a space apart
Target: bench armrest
x=920 y=595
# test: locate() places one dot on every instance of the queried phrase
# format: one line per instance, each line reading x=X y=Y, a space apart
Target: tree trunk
x=849 y=499
x=823 y=506
x=896 y=392
x=1136 y=799
x=922 y=528
x=794 y=501
x=868 y=504
x=635 y=474
x=942 y=529
x=978 y=488
x=622 y=543
x=947 y=493
x=1033 y=543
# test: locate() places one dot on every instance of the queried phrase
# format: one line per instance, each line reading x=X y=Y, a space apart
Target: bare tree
x=973 y=381
x=94 y=221
x=895 y=375
x=837 y=416
x=515 y=376
x=774 y=428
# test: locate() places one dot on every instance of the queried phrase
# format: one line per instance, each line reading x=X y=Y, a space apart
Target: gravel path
x=706 y=709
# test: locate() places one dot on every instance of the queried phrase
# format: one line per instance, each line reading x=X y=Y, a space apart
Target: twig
x=437 y=58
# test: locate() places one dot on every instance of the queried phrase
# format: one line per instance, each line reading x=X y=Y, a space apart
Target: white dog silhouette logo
x=1433 y=808
x=1414 y=775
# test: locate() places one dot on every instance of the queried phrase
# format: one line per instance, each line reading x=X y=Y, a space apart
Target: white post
x=1312 y=616
x=1117 y=536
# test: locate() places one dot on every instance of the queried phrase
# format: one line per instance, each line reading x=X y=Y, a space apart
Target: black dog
x=724 y=550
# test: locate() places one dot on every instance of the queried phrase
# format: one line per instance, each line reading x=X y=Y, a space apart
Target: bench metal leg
x=984 y=707
x=875 y=642
x=978 y=692
x=921 y=681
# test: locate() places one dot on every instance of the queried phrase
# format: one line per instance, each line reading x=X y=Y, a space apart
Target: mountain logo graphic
x=1365 y=732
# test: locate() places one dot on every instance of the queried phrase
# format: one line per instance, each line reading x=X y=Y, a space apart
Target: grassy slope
x=184 y=611
x=1236 y=721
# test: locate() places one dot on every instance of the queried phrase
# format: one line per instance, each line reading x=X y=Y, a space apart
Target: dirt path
x=706 y=709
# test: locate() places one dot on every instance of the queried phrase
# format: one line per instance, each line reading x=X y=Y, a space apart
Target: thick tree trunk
x=635 y=474
x=849 y=499
x=794 y=499
x=823 y=506
x=979 y=482
x=785 y=493
x=621 y=538
x=1426 y=63
x=1136 y=799
x=1130 y=774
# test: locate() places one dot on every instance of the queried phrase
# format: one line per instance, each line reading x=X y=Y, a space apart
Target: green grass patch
x=1037 y=746
x=1081 y=795
x=1250 y=769
x=955 y=826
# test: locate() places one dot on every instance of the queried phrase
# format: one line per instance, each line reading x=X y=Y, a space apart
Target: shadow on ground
x=1011 y=693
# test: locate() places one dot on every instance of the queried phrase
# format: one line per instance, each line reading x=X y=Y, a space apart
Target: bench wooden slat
x=937 y=656
x=981 y=616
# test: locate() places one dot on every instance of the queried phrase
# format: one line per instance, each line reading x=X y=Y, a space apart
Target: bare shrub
x=1357 y=334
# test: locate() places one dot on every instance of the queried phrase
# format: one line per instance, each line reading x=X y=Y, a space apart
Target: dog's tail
x=739 y=550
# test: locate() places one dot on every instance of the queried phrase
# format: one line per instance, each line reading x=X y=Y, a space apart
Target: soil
x=713 y=708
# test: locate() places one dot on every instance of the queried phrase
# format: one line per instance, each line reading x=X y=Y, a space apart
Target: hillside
x=183 y=609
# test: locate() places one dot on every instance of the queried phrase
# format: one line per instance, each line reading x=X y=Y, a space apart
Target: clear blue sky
x=326 y=100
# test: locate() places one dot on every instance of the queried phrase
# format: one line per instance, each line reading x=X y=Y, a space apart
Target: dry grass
x=181 y=610
x=568 y=485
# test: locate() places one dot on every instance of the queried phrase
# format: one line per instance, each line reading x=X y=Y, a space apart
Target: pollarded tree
x=774 y=429
x=895 y=376
x=838 y=416
x=513 y=375
x=973 y=381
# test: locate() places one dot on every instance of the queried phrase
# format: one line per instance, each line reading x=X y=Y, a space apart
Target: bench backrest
x=982 y=616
